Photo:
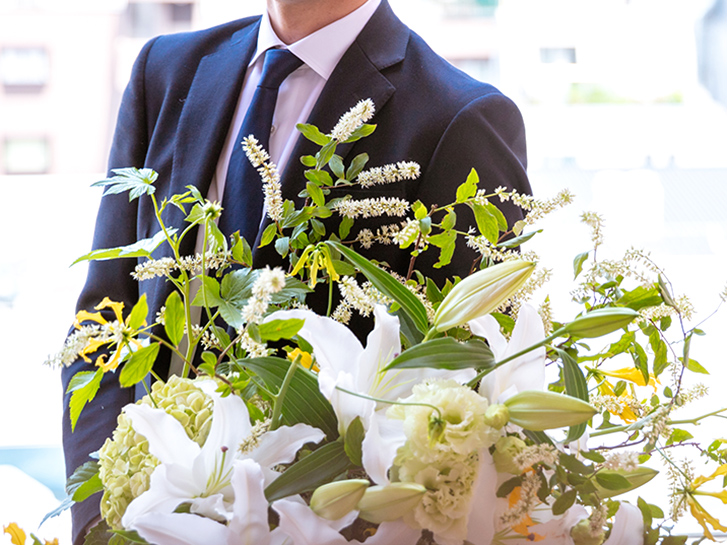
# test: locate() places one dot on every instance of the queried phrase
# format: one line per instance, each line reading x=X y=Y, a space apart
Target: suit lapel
x=208 y=109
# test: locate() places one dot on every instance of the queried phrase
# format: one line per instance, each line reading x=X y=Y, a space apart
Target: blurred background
x=625 y=104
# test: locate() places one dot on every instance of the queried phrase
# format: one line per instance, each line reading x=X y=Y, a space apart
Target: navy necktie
x=243 y=195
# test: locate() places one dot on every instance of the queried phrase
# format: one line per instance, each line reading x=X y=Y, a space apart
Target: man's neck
x=293 y=20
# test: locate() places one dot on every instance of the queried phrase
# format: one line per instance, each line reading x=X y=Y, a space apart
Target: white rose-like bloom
x=463 y=429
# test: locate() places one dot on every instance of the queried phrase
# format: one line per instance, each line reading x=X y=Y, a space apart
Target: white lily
x=628 y=526
x=345 y=364
x=524 y=373
x=216 y=480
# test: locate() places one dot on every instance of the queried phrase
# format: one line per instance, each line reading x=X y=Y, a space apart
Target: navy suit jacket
x=174 y=118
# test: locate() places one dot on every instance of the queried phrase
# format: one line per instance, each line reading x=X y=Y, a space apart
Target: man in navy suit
x=186 y=99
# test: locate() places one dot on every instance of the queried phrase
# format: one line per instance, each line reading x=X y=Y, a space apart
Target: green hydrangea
x=127 y=465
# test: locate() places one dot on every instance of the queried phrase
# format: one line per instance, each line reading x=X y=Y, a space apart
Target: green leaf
x=139 y=365
x=87 y=489
x=447 y=251
x=468 y=189
x=325 y=154
x=508 y=486
x=136 y=181
x=319 y=178
x=575 y=386
x=565 y=501
x=81 y=475
x=612 y=481
x=336 y=166
x=174 y=318
x=578 y=264
x=353 y=440
x=387 y=285
x=66 y=504
x=665 y=294
x=449 y=221
x=674 y=540
x=274 y=330
x=345 y=227
x=83 y=393
x=679 y=436
x=695 y=367
x=486 y=222
x=434 y=295
x=316 y=194
x=498 y=215
x=445 y=353
x=303 y=401
x=505 y=321
x=209 y=293
x=356 y=166
x=593 y=456
x=639 y=298
x=312 y=133
x=282 y=246
x=641 y=361
x=138 y=313
x=241 y=250
x=320 y=467
x=308 y=161
x=517 y=241
x=362 y=132
x=142 y=248
x=268 y=235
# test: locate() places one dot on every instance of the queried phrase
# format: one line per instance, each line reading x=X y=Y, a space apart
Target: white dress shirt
x=320 y=53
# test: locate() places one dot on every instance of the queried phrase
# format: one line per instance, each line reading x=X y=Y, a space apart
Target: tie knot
x=277 y=66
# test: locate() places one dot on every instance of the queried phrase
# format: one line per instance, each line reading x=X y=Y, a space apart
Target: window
x=562 y=55
x=26 y=155
x=24 y=69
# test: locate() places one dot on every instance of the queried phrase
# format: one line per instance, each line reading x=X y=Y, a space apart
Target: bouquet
x=466 y=416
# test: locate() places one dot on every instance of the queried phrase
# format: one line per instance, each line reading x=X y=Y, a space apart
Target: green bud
x=636 y=478
x=334 y=500
x=538 y=411
x=506 y=449
x=481 y=293
x=390 y=502
x=496 y=416
x=583 y=535
x=600 y=322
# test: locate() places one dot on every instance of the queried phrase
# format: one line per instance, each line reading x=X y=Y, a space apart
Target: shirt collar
x=321 y=50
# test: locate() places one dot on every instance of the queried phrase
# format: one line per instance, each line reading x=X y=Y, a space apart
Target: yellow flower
x=306 y=360
x=17 y=536
x=316 y=258
x=627 y=414
x=700 y=513
x=631 y=374
x=121 y=337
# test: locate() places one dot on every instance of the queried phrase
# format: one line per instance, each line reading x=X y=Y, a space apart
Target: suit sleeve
x=489 y=136
x=115 y=226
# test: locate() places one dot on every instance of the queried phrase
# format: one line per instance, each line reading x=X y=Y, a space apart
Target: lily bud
x=390 y=502
x=538 y=411
x=636 y=478
x=600 y=322
x=496 y=416
x=334 y=500
x=481 y=293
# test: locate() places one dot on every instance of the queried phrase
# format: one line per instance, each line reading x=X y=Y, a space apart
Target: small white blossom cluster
x=659 y=426
x=545 y=310
x=269 y=282
x=595 y=222
x=541 y=208
x=408 y=234
x=272 y=192
x=617 y=404
x=679 y=479
x=389 y=174
x=625 y=461
x=384 y=235
x=527 y=501
x=251 y=442
x=208 y=340
x=372 y=208
x=76 y=343
x=352 y=120
x=253 y=348
x=441 y=453
x=360 y=298
x=165 y=266
x=536 y=454
x=692 y=394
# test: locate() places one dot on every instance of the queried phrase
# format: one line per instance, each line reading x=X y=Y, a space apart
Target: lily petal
x=163 y=496
x=382 y=440
x=628 y=526
x=481 y=522
x=305 y=527
x=183 y=529
x=394 y=532
x=280 y=446
x=167 y=439
x=250 y=509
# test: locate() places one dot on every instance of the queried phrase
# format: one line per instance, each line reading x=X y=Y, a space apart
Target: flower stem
x=389 y=401
x=275 y=419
